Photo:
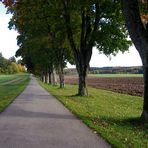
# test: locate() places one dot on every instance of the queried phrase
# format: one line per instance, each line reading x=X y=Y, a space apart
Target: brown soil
x=127 y=85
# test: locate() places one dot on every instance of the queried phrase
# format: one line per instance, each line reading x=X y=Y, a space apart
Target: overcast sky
x=8 y=43
x=8 y=47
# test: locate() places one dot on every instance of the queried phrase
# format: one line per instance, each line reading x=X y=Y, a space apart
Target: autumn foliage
x=143 y=6
x=8 y=3
x=9 y=66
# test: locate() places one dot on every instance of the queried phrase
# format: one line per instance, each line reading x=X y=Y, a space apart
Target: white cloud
x=8 y=43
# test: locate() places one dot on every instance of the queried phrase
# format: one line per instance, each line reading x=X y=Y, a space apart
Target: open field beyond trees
x=124 y=83
x=113 y=115
x=10 y=87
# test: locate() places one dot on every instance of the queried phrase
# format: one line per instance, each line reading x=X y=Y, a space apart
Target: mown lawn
x=6 y=78
x=112 y=115
x=10 y=87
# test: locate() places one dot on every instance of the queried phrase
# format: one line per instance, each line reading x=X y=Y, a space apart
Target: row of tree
x=10 y=66
x=52 y=32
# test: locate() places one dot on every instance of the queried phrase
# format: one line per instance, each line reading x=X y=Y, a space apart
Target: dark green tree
x=39 y=36
x=12 y=59
x=89 y=24
x=86 y=23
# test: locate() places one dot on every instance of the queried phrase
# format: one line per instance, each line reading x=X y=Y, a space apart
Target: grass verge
x=9 y=91
x=115 y=75
x=112 y=115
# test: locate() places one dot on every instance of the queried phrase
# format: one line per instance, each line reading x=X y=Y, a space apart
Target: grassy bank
x=112 y=115
x=10 y=87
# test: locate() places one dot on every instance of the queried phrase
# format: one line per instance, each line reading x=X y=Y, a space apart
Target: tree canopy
x=53 y=32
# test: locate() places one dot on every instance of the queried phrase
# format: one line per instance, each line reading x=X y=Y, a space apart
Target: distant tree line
x=108 y=70
x=10 y=66
x=116 y=70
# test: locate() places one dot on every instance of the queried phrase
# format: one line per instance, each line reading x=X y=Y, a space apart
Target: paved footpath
x=37 y=120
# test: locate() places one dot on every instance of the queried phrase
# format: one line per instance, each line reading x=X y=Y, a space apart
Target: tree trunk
x=43 y=78
x=82 y=90
x=82 y=54
x=49 y=77
x=82 y=68
x=144 y=115
x=46 y=77
x=54 y=78
x=61 y=76
x=139 y=36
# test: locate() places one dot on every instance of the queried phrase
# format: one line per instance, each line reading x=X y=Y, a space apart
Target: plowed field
x=127 y=85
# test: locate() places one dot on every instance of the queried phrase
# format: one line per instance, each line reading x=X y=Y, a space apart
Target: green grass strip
x=9 y=92
x=112 y=115
x=6 y=78
x=115 y=75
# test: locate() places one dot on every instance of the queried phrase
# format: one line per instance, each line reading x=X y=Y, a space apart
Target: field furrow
x=127 y=85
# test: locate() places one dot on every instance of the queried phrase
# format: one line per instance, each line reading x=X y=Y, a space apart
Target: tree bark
x=43 y=78
x=82 y=73
x=49 y=77
x=46 y=77
x=54 y=78
x=61 y=76
x=139 y=36
x=144 y=115
x=82 y=66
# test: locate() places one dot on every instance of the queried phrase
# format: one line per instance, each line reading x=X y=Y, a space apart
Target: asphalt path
x=37 y=120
